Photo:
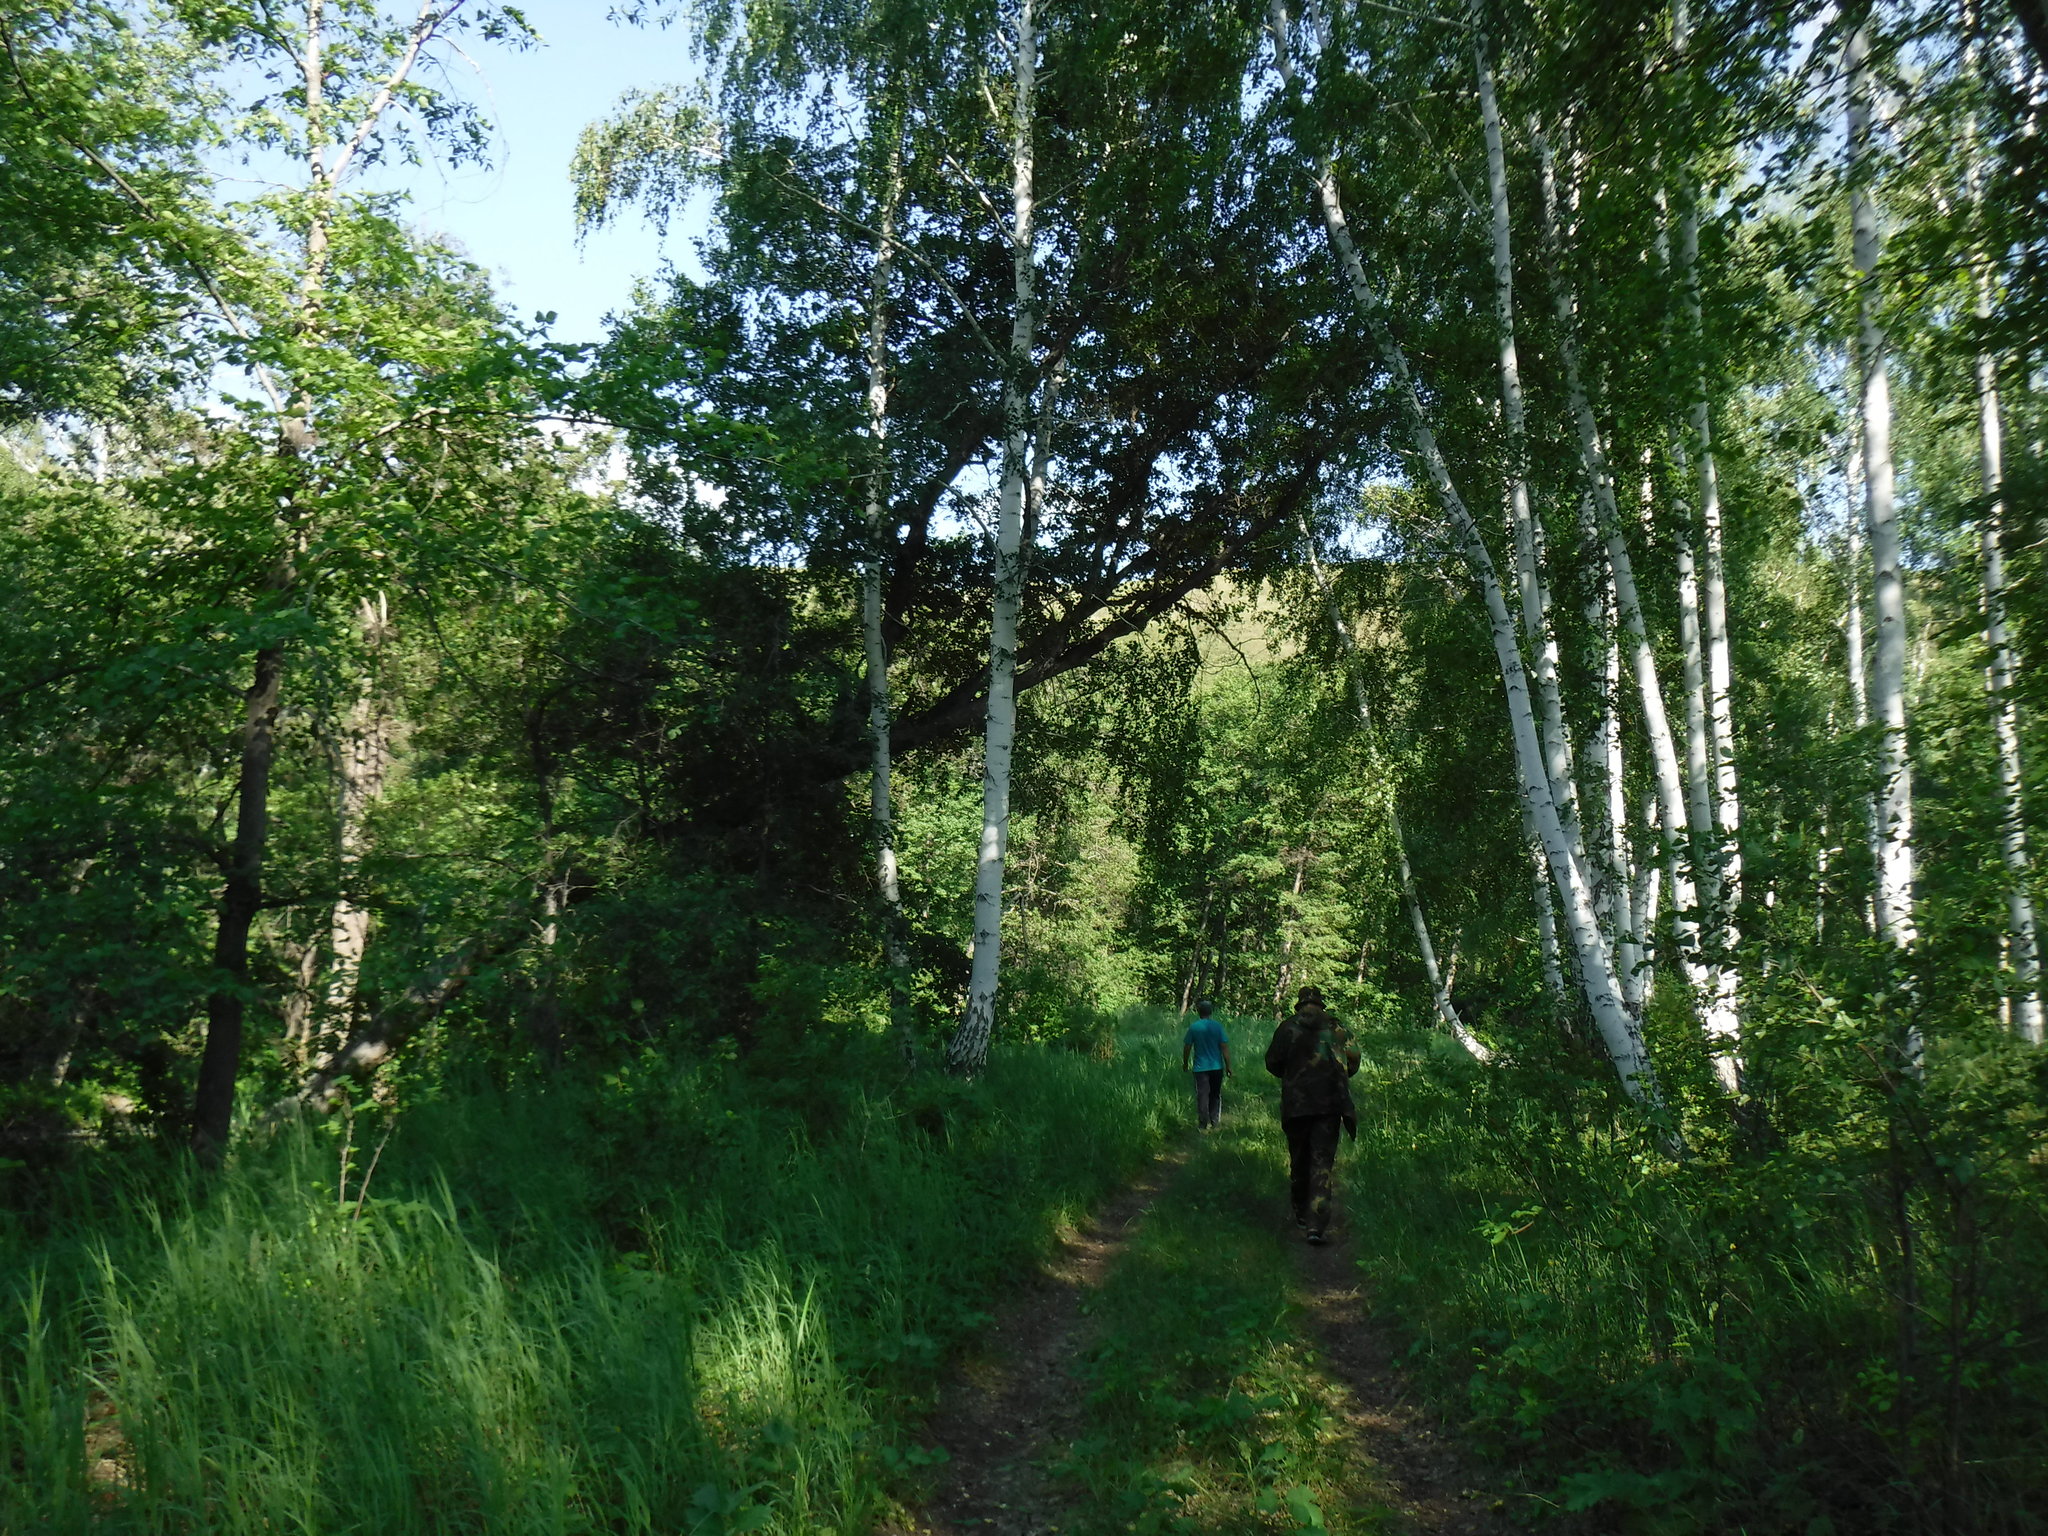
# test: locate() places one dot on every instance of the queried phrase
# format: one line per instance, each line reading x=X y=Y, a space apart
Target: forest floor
x=1186 y=1363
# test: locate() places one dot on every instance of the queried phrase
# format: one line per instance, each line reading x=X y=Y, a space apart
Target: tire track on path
x=1015 y=1400
x=1019 y=1403
x=1439 y=1487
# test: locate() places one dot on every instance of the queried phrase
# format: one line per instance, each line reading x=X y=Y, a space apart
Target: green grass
x=675 y=1300
x=1208 y=1408
x=1715 y=1343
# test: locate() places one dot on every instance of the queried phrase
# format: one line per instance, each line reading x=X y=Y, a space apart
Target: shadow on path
x=1436 y=1483
x=1014 y=1404
x=1188 y=1364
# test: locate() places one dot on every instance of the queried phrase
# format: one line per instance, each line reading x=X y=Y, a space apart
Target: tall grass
x=677 y=1299
x=1829 y=1324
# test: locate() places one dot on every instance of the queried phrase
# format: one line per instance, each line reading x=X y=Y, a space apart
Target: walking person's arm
x=1276 y=1052
x=1229 y=1068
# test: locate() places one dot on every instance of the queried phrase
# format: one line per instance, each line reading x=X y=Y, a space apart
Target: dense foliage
x=1529 y=516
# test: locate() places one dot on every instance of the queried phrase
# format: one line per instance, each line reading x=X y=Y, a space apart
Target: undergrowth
x=677 y=1298
x=1824 y=1319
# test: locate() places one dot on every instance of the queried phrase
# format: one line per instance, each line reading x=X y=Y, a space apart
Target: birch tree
x=1619 y=1030
x=968 y=1050
x=2001 y=669
x=874 y=570
x=1881 y=516
x=1600 y=482
x=1532 y=590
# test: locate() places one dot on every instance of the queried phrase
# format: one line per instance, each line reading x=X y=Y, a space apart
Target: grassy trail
x=1193 y=1366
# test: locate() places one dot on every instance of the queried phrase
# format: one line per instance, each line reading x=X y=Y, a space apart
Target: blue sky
x=514 y=216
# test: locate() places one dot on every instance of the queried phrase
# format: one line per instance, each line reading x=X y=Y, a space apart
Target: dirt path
x=1014 y=1402
x=1438 y=1486
x=1017 y=1404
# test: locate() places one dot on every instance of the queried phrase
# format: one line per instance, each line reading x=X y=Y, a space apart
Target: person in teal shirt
x=1206 y=1051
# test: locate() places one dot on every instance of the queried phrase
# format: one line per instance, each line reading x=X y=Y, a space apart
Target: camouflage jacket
x=1314 y=1059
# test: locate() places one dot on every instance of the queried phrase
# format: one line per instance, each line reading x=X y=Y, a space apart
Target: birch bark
x=1714 y=568
x=2023 y=942
x=1599 y=473
x=2022 y=932
x=881 y=803
x=1722 y=861
x=1619 y=1030
x=1625 y=923
x=1881 y=520
x=1531 y=589
x=968 y=1050
x=1547 y=951
x=1693 y=660
x=1857 y=664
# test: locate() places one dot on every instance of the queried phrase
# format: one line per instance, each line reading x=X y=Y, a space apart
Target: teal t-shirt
x=1206 y=1036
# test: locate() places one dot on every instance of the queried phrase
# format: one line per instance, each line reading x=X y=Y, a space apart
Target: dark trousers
x=1209 y=1098
x=1311 y=1158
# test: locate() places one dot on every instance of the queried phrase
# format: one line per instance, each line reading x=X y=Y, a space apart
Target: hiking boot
x=1317 y=1239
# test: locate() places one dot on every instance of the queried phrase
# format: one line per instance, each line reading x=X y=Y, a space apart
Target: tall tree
x=969 y=1046
x=1620 y=1031
x=1880 y=504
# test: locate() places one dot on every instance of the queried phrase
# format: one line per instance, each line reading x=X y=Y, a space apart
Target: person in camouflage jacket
x=1314 y=1059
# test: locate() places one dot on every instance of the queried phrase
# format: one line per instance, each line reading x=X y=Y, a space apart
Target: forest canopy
x=1527 y=515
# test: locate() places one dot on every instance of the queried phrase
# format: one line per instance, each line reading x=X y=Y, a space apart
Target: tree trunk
x=365 y=761
x=1531 y=589
x=1645 y=895
x=1619 y=1031
x=2022 y=932
x=220 y=1062
x=1693 y=658
x=1656 y=722
x=1723 y=862
x=2023 y=943
x=1627 y=933
x=874 y=571
x=1881 y=520
x=1857 y=664
x=1546 y=929
x=968 y=1050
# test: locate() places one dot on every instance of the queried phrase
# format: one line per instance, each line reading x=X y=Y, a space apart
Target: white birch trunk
x=968 y=1050
x=1723 y=862
x=1411 y=896
x=1619 y=1030
x=2022 y=932
x=365 y=762
x=1857 y=664
x=1546 y=928
x=1692 y=653
x=1611 y=852
x=1656 y=721
x=1645 y=894
x=1624 y=920
x=1532 y=592
x=873 y=574
x=2022 y=936
x=1881 y=521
